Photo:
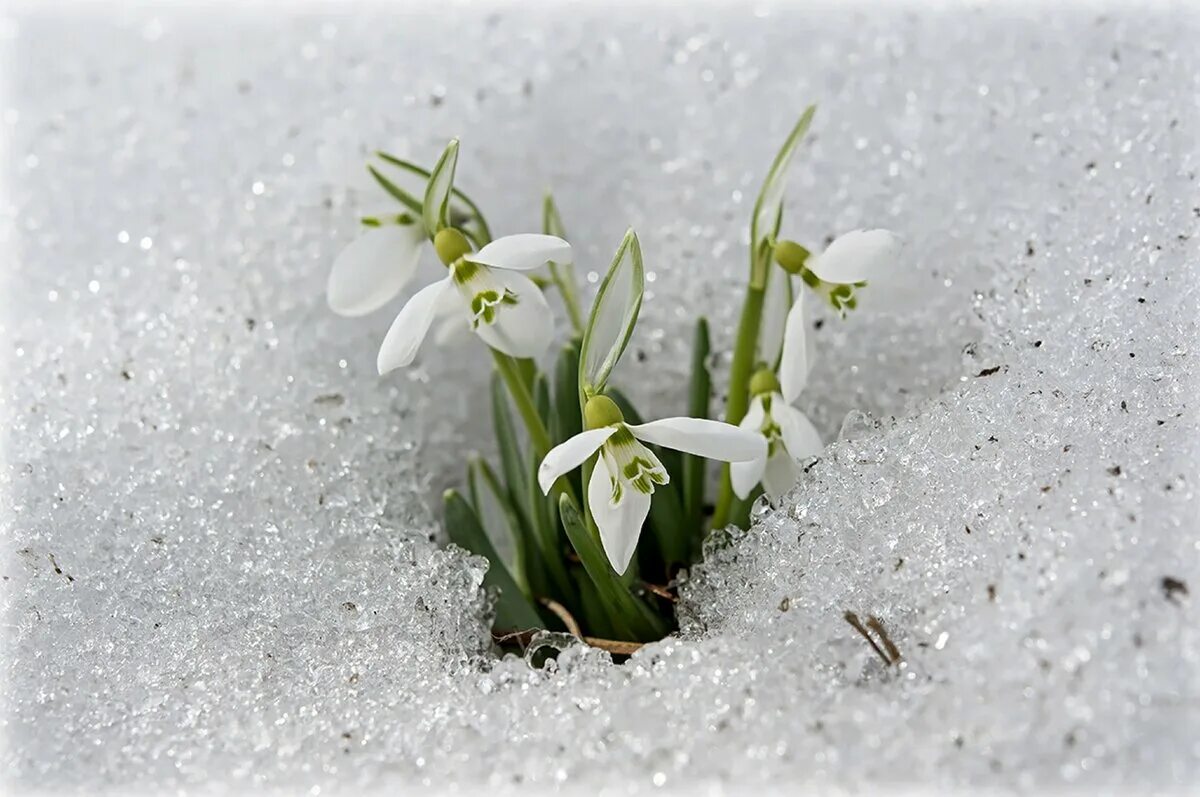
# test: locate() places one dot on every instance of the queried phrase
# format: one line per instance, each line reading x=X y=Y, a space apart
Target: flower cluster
x=580 y=489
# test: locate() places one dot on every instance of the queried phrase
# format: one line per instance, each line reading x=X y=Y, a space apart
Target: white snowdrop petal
x=374 y=268
x=795 y=362
x=569 y=455
x=780 y=475
x=755 y=415
x=450 y=328
x=411 y=326
x=776 y=301
x=745 y=475
x=704 y=438
x=523 y=252
x=620 y=523
x=800 y=437
x=523 y=329
x=859 y=255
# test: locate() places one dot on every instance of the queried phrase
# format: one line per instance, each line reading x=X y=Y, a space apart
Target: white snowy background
x=222 y=565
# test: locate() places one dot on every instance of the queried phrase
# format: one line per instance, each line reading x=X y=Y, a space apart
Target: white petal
x=745 y=475
x=373 y=268
x=754 y=416
x=620 y=524
x=859 y=255
x=800 y=437
x=450 y=328
x=780 y=475
x=523 y=329
x=567 y=456
x=795 y=363
x=704 y=438
x=776 y=301
x=523 y=252
x=410 y=327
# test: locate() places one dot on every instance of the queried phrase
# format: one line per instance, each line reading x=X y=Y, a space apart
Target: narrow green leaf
x=402 y=196
x=480 y=237
x=541 y=398
x=613 y=317
x=435 y=209
x=699 y=398
x=551 y=550
x=768 y=207
x=567 y=420
x=630 y=616
x=563 y=275
x=512 y=458
x=513 y=608
x=492 y=505
x=594 y=618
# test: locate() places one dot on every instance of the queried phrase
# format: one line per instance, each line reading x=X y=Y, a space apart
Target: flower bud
x=601 y=411
x=450 y=245
x=791 y=256
x=764 y=382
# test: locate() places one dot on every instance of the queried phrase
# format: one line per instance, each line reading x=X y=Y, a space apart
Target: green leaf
x=541 y=398
x=769 y=206
x=631 y=617
x=495 y=512
x=550 y=548
x=435 y=209
x=563 y=275
x=513 y=609
x=699 y=397
x=405 y=198
x=567 y=420
x=614 y=315
x=483 y=235
x=512 y=458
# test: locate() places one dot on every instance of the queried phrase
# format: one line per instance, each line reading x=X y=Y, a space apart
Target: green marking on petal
x=635 y=464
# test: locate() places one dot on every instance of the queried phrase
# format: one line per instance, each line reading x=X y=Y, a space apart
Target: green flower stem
x=740 y=372
x=518 y=388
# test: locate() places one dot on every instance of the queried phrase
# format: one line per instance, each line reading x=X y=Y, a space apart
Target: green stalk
x=740 y=372
x=510 y=372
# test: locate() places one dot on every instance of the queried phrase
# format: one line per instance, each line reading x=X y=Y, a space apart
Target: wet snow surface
x=220 y=556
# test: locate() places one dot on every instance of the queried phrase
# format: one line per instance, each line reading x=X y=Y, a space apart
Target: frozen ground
x=218 y=554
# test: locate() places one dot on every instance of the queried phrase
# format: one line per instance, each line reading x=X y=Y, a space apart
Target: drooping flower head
x=789 y=436
x=625 y=472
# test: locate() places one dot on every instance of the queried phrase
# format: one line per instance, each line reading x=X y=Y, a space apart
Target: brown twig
x=613 y=645
x=561 y=613
x=853 y=620
x=876 y=625
x=661 y=592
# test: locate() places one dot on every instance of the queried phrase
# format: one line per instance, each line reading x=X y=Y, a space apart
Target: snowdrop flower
x=625 y=472
x=485 y=289
x=789 y=437
x=376 y=266
x=859 y=259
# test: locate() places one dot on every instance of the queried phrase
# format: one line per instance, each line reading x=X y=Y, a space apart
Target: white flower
x=376 y=266
x=484 y=289
x=854 y=261
x=858 y=256
x=626 y=472
x=789 y=436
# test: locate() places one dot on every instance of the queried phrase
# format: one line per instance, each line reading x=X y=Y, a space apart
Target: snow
x=221 y=562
